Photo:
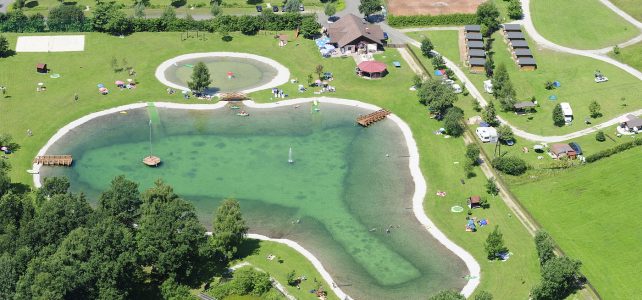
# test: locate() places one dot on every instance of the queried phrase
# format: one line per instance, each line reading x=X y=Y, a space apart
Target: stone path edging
x=413 y=161
x=282 y=76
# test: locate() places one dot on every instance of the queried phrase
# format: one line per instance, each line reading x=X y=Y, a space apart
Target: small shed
x=472 y=28
x=516 y=44
x=523 y=107
x=474 y=202
x=515 y=35
x=475 y=45
x=283 y=39
x=562 y=150
x=512 y=27
x=632 y=123
x=372 y=69
x=522 y=52
x=476 y=53
x=41 y=68
x=477 y=64
x=473 y=36
x=527 y=63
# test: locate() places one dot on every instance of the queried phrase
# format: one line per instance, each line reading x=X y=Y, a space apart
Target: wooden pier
x=366 y=120
x=53 y=160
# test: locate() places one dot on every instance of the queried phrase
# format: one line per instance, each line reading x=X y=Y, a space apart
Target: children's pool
x=346 y=198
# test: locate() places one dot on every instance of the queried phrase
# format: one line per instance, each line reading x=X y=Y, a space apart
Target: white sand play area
x=51 y=43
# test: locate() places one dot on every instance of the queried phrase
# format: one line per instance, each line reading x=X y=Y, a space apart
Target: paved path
x=4 y=5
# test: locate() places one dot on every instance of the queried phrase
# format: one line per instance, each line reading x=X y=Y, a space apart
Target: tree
x=514 y=10
x=228 y=228
x=417 y=81
x=491 y=187
x=426 y=47
x=438 y=61
x=489 y=115
x=167 y=17
x=437 y=96
x=511 y=165
x=448 y=295
x=453 y=121
x=505 y=133
x=4 y=47
x=200 y=78
x=104 y=15
x=215 y=9
x=495 y=244
x=8 y=276
x=483 y=295
x=472 y=153
x=318 y=70
x=558 y=116
x=169 y=234
x=310 y=28
x=292 y=6
x=595 y=108
x=475 y=104
x=329 y=9
x=291 y=278
x=66 y=18
x=369 y=7
x=488 y=16
x=52 y=186
x=122 y=201
x=600 y=137
x=503 y=88
x=560 y=277
x=171 y=290
x=139 y=10
x=545 y=246
x=489 y=66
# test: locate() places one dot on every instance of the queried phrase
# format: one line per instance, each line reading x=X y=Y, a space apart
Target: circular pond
x=347 y=197
x=229 y=71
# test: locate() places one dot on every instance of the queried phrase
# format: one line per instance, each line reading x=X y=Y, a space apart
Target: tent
x=440 y=72
x=100 y=85
x=41 y=68
x=329 y=46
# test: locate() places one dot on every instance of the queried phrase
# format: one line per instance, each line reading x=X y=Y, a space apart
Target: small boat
x=243 y=114
x=235 y=107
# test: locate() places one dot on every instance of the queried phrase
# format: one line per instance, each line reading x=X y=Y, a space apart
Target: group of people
x=278 y=93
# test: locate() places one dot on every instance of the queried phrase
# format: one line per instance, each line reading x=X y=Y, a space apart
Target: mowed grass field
x=631 y=7
x=581 y=24
x=620 y=95
x=631 y=55
x=45 y=112
x=592 y=213
x=446 y=42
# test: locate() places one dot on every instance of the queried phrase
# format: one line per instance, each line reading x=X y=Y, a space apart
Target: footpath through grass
x=631 y=7
x=581 y=24
x=441 y=160
x=592 y=212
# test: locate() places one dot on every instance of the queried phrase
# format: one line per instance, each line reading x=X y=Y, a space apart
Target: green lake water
x=248 y=73
x=336 y=199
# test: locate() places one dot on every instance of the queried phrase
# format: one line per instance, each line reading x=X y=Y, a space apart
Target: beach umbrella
x=119 y=82
x=102 y=90
x=100 y=85
x=230 y=74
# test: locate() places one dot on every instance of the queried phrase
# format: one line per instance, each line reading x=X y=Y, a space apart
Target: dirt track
x=432 y=7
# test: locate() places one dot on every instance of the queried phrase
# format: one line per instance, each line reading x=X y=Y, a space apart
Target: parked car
x=259 y=8
x=283 y=8
x=385 y=36
x=275 y=8
x=576 y=147
x=301 y=7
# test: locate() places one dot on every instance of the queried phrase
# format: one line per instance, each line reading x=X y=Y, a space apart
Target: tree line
x=54 y=245
x=107 y=17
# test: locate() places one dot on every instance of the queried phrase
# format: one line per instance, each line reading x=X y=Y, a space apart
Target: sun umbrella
x=4 y=148
x=100 y=85
x=119 y=82
x=102 y=89
x=230 y=74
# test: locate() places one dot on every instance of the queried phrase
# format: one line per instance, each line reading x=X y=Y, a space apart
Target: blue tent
x=552 y=97
x=100 y=85
x=556 y=84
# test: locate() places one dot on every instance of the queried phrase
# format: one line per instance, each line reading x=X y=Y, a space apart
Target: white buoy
x=290 y=160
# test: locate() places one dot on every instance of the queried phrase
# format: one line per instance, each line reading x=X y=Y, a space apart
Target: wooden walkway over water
x=53 y=160
x=366 y=120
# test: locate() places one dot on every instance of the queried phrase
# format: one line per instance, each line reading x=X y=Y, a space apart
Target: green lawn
x=582 y=24
x=446 y=42
x=256 y=252
x=631 y=55
x=591 y=212
x=575 y=73
x=45 y=112
x=631 y=7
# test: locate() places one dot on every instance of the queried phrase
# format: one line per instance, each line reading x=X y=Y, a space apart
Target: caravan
x=488 y=86
x=487 y=134
x=567 y=111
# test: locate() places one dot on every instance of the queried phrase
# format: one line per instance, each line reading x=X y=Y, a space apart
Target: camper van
x=488 y=86
x=487 y=134
x=567 y=111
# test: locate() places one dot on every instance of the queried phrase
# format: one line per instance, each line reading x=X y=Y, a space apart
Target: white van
x=487 y=134
x=567 y=111
x=488 y=86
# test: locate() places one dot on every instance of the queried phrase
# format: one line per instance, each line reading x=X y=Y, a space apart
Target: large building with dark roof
x=351 y=33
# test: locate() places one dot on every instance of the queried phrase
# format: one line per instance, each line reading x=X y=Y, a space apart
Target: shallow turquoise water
x=342 y=188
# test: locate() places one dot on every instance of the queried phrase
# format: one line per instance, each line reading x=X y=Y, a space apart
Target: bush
x=427 y=20
x=495 y=244
x=617 y=149
x=599 y=136
x=472 y=153
x=515 y=10
x=511 y=165
x=558 y=116
x=453 y=121
x=426 y=47
x=66 y=18
x=491 y=187
x=545 y=246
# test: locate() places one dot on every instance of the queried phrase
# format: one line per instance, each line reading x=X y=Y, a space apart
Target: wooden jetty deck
x=366 y=120
x=53 y=160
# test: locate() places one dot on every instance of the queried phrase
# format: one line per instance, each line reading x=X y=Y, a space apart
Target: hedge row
x=428 y=20
x=617 y=149
x=17 y=21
